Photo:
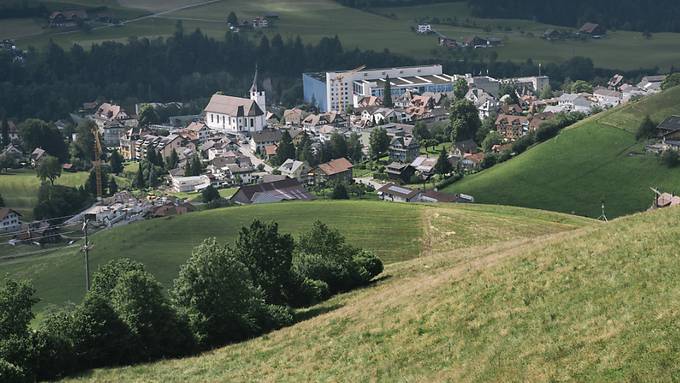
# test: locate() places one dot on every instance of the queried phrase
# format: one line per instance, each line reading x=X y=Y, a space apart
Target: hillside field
x=596 y=159
x=377 y=29
x=594 y=305
x=19 y=188
x=396 y=232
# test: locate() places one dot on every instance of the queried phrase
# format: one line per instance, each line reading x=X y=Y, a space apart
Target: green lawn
x=396 y=232
x=19 y=188
x=597 y=159
x=377 y=29
x=591 y=305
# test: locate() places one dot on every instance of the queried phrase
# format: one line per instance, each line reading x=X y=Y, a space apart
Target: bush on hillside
x=646 y=129
x=670 y=158
x=10 y=373
x=215 y=292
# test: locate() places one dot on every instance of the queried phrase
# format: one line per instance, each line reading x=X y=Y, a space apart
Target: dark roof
x=267 y=135
x=670 y=125
x=440 y=197
x=396 y=190
x=590 y=28
x=5 y=211
x=283 y=190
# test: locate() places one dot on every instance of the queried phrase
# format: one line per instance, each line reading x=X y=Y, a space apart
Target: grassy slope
x=19 y=188
x=596 y=159
x=396 y=232
x=588 y=305
x=376 y=29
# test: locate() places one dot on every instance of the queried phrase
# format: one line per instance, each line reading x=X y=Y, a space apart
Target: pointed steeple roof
x=253 y=88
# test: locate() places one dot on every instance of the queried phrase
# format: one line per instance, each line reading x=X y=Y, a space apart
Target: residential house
x=615 y=82
x=395 y=193
x=112 y=121
x=447 y=42
x=13 y=131
x=475 y=42
x=629 y=91
x=539 y=118
x=270 y=151
x=669 y=129
x=13 y=152
x=189 y=184
x=313 y=121
x=435 y=196
x=424 y=166
x=37 y=155
x=399 y=171
x=467 y=146
x=171 y=208
x=71 y=18
x=593 y=30
x=197 y=132
x=293 y=116
x=511 y=109
x=512 y=127
x=424 y=28
x=369 y=101
x=486 y=104
x=552 y=34
x=404 y=149
x=260 y=22
x=259 y=140
x=607 y=98
x=10 y=220
x=241 y=173
x=339 y=169
x=269 y=192
x=472 y=161
x=651 y=84
x=573 y=102
x=298 y=170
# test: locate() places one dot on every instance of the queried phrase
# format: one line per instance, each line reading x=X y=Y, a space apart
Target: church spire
x=253 y=88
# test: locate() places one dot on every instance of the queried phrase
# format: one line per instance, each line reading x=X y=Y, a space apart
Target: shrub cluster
x=224 y=293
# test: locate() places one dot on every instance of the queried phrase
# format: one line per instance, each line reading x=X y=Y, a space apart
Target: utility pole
x=86 y=250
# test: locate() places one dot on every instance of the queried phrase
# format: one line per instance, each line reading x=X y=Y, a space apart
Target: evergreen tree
x=460 y=88
x=304 y=150
x=338 y=145
x=116 y=162
x=151 y=155
x=139 y=178
x=153 y=181
x=196 y=166
x=647 y=128
x=188 y=172
x=443 y=166
x=232 y=19
x=387 y=93
x=113 y=186
x=286 y=149
x=379 y=141
x=355 y=148
x=4 y=133
x=172 y=160
x=2 y=201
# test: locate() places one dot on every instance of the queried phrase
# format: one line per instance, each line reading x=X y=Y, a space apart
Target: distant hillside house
x=60 y=19
x=448 y=43
x=269 y=192
x=593 y=30
x=424 y=28
x=237 y=115
x=261 y=139
x=669 y=129
x=10 y=220
x=298 y=170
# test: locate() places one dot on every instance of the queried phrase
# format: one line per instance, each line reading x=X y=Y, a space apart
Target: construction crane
x=339 y=78
x=97 y=163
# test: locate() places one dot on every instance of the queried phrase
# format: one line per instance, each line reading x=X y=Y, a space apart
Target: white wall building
x=237 y=115
x=10 y=220
x=189 y=184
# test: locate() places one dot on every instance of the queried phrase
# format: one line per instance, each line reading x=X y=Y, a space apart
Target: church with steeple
x=237 y=115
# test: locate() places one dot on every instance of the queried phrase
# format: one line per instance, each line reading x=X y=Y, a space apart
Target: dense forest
x=190 y=67
x=637 y=15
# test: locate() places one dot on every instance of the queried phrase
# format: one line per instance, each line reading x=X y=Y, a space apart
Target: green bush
x=10 y=373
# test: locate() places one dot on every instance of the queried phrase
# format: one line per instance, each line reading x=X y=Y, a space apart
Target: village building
x=260 y=140
x=197 y=131
x=236 y=115
x=424 y=28
x=512 y=127
x=70 y=18
x=189 y=184
x=395 y=193
x=298 y=170
x=592 y=30
x=399 y=171
x=339 y=169
x=404 y=149
x=269 y=192
x=10 y=220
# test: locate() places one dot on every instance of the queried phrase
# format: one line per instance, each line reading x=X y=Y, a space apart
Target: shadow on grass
x=306 y=314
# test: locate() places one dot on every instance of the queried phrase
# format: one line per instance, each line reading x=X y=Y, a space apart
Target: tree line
x=223 y=294
x=189 y=67
x=636 y=15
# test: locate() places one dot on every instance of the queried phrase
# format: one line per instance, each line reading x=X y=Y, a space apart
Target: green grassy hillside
x=596 y=159
x=377 y=29
x=595 y=304
x=19 y=188
x=396 y=232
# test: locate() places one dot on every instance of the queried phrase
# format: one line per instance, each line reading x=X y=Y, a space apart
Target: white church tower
x=257 y=95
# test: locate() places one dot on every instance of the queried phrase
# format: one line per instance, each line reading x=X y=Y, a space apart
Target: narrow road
x=369 y=181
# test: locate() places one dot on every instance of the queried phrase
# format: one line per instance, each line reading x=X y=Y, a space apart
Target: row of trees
x=638 y=15
x=338 y=146
x=224 y=293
